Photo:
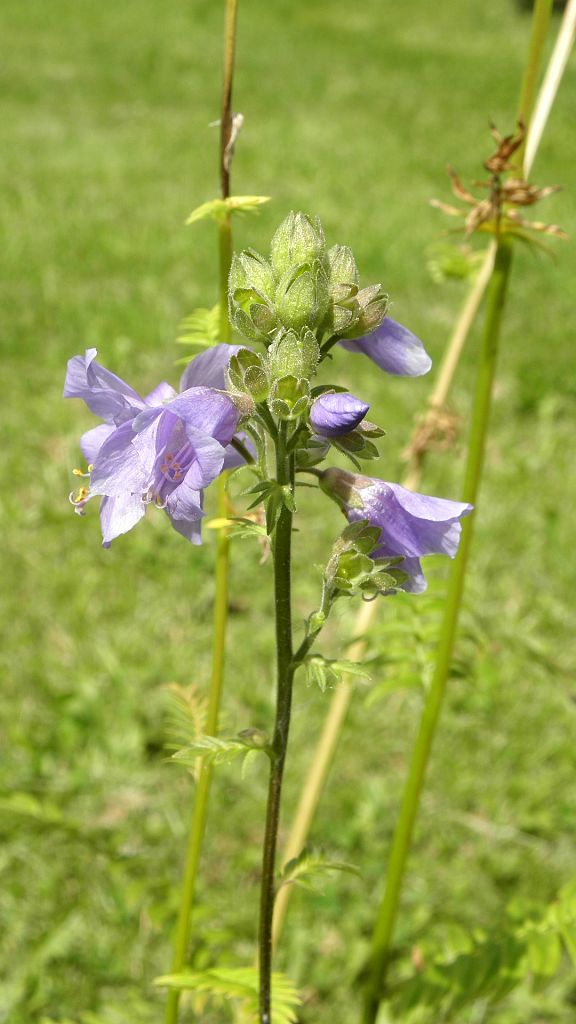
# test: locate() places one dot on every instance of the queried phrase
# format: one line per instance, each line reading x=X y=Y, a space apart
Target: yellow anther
x=80 y=495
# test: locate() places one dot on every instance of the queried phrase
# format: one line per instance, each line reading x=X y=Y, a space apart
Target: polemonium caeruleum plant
x=243 y=404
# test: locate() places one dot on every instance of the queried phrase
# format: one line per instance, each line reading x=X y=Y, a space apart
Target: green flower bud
x=251 y=270
x=302 y=298
x=294 y=354
x=343 y=273
x=251 y=284
x=247 y=375
x=298 y=240
x=342 y=310
x=289 y=398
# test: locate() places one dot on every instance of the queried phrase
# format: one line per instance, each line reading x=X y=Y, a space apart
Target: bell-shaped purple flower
x=165 y=448
x=337 y=413
x=209 y=368
x=393 y=348
x=411 y=524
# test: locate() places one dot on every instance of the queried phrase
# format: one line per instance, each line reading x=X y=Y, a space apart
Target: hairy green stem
x=400 y=850
x=284 y=679
x=222 y=567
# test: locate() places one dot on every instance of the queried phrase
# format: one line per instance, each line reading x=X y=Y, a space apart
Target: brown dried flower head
x=498 y=212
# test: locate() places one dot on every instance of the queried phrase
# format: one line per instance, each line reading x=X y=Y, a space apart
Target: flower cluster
x=290 y=310
x=163 y=449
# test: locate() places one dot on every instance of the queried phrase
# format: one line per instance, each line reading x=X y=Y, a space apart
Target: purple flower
x=164 y=448
x=412 y=524
x=393 y=348
x=209 y=368
x=336 y=413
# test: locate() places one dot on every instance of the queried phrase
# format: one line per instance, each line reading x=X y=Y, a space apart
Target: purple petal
x=92 y=441
x=337 y=413
x=207 y=463
x=414 y=524
x=190 y=529
x=118 y=468
x=161 y=394
x=207 y=410
x=184 y=509
x=393 y=348
x=119 y=514
x=153 y=432
x=186 y=501
x=209 y=368
x=104 y=393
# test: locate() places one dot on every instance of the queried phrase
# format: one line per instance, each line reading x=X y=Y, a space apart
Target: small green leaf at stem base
x=219 y=209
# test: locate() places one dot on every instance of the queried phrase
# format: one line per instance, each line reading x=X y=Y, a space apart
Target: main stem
x=421 y=753
x=284 y=679
x=222 y=567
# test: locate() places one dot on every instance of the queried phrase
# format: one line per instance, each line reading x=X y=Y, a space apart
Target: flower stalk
x=285 y=676
x=222 y=566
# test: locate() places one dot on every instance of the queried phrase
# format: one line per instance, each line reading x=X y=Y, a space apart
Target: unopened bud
x=251 y=284
x=294 y=355
x=343 y=273
x=302 y=298
x=290 y=398
x=298 y=240
x=247 y=374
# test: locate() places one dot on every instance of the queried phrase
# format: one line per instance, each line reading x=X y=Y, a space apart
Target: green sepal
x=247 y=374
x=293 y=354
x=324 y=672
x=372 y=305
x=289 y=398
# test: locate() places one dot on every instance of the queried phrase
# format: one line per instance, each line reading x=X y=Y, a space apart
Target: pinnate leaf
x=239 y=983
x=218 y=209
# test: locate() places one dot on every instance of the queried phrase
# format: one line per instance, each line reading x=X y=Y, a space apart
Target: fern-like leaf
x=201 y=329
x=239 y=984
x=311 y=864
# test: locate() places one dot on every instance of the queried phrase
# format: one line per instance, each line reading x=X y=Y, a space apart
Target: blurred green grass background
x=352 y=112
